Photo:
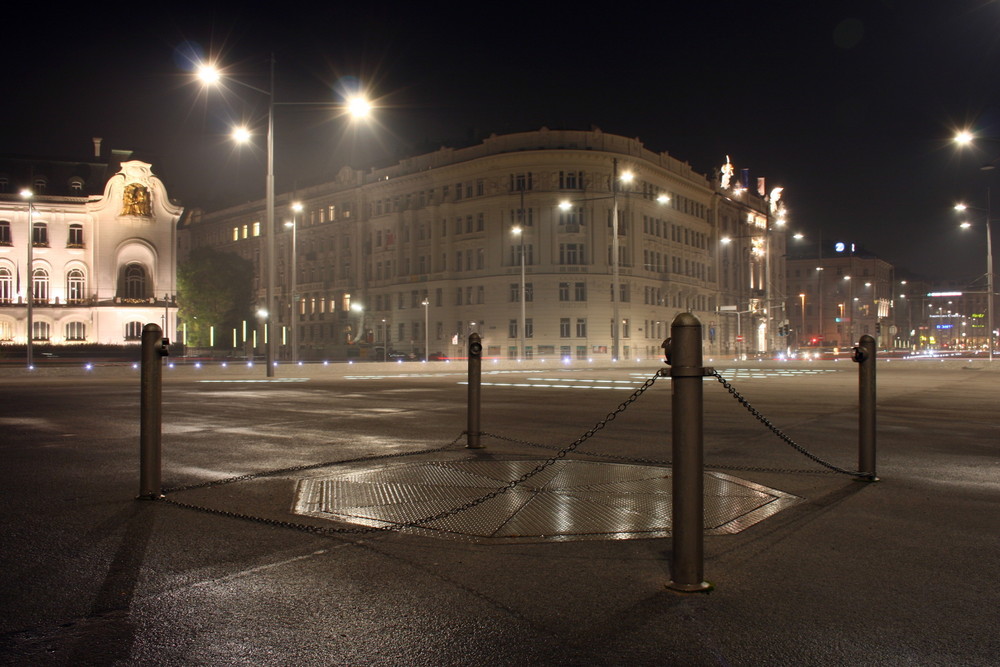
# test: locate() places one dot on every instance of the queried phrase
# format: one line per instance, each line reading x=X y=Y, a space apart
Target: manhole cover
x=569 y=500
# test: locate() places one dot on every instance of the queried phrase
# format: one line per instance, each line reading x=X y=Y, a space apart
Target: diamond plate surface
x=569 y=500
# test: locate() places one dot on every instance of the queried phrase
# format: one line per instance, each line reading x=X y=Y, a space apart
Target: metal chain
x=416 y=523
x=766 y=422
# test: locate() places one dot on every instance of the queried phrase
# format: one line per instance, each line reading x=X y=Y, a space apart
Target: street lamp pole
x=296 y=208
x=614 y=263
x=29 y=287
x=427 y=335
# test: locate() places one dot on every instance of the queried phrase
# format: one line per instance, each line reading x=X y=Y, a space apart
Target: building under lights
x=427 y=248
x=103 y=239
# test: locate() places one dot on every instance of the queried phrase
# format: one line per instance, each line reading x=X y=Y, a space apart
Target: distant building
x=838 y=292
x=373 y=247
x=103 y=238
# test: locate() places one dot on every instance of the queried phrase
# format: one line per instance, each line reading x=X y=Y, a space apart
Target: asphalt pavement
x=895 y=572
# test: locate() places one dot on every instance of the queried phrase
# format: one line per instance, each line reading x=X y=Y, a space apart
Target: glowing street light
x=965 y=224
x=357 y=106
x=29 y=287
x=518 y=231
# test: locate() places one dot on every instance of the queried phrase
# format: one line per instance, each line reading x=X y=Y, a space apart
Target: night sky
x=850 y=106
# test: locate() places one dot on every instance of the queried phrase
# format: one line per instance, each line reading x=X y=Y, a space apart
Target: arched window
x=5 y=232
x=40 y=286
x=133 y=330
x=40 y=235
x=6 y=331
x=75 y=239
x=40 y=331
x=6 y=285
x=135 y=282
x=76 y=331
x=76 y=286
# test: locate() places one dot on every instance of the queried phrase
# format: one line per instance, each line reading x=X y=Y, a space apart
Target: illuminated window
x=76 y=286
x=76 y=331
x=6 y=285
x=133 y=330
x=256 y=229
x=75 y=236
x=41 y=331
x=6 y=331
x=5 y=232
x=40 y=235
x=40 y=285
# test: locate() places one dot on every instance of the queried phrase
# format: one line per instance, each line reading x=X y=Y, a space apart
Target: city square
x=853 y=572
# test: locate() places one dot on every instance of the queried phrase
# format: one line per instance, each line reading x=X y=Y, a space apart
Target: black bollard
x=154 y=346
x=865 y=354
x=475 y=378
x=688 y=483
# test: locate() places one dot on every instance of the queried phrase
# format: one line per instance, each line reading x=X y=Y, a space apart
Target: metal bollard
x=864 y=355
x=475 y=377
x=154 y=346
x=688 y=488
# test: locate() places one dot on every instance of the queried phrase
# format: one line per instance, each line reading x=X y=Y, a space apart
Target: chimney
x=97 y=146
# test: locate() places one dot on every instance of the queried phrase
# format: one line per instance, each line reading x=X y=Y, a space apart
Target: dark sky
x=849 y=105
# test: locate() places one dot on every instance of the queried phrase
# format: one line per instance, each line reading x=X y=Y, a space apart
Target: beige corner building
x=513 y=239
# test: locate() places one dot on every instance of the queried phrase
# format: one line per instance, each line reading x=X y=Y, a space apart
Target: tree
x=213 y=289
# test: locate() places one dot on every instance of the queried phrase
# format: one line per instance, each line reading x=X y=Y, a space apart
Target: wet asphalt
x=897 y=572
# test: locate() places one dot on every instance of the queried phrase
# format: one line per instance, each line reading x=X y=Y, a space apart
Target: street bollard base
x=703 y=587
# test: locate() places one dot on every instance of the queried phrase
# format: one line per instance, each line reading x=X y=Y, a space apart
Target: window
x=75 y=236
x=581 y=327
x=76 y=286
x=512 y=329
x=570 y=180
x=6 y=331
x=564 y=291
x=520 y=182
x=515 y=292
x=571 y=219
x=5 y=233
x=524 y=217
x=133 y=330
x=515 y=254
x=6 y=285
x=529 y=328
x=571 y=253
x=580 y=291
x=529 y=292
x=40 y=235
x=564 y=327
x=41 y=331
x=76 y=331
x=40 y=286
x=135 y=282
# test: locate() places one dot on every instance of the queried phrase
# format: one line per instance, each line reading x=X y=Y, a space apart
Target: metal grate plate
x=570 y=500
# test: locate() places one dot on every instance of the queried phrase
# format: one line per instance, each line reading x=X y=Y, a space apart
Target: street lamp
x=802 y=298
x=989 y=265
x=29 y=288
x=519 y=232
x=626 y=177
x=294 y=225
x=427 y=336
x=356 y=106
x=360 y=310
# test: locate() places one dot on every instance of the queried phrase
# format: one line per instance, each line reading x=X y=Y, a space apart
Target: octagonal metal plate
x=568 y=500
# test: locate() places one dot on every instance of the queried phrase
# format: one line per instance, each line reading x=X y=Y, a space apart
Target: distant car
x=437 y=356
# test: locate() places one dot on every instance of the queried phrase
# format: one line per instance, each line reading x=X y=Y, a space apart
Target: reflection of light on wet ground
x=569 y=500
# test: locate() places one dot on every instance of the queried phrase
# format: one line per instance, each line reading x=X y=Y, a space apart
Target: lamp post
x=989 y=267
x=427 y=336
x=357 y=107
x=293 y=286
x=802 y=298
x=625 y=177
x=519 y=232
x=29 y=287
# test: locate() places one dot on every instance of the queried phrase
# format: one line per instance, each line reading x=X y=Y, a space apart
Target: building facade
x=92 y=243
x=838 y=292
x=513 y=238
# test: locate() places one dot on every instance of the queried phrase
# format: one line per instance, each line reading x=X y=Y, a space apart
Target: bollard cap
x=685 y=320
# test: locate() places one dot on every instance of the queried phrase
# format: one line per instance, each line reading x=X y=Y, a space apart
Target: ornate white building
x=430 y=249
x=102 y=254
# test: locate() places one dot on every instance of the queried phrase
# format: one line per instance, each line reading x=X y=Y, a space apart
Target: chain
x=416 y=523
x=766 y=422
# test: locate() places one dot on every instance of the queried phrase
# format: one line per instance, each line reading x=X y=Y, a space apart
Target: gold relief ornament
x=136 y=200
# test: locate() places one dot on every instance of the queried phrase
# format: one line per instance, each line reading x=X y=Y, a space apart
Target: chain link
x=415 y=523
x=766 y=422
